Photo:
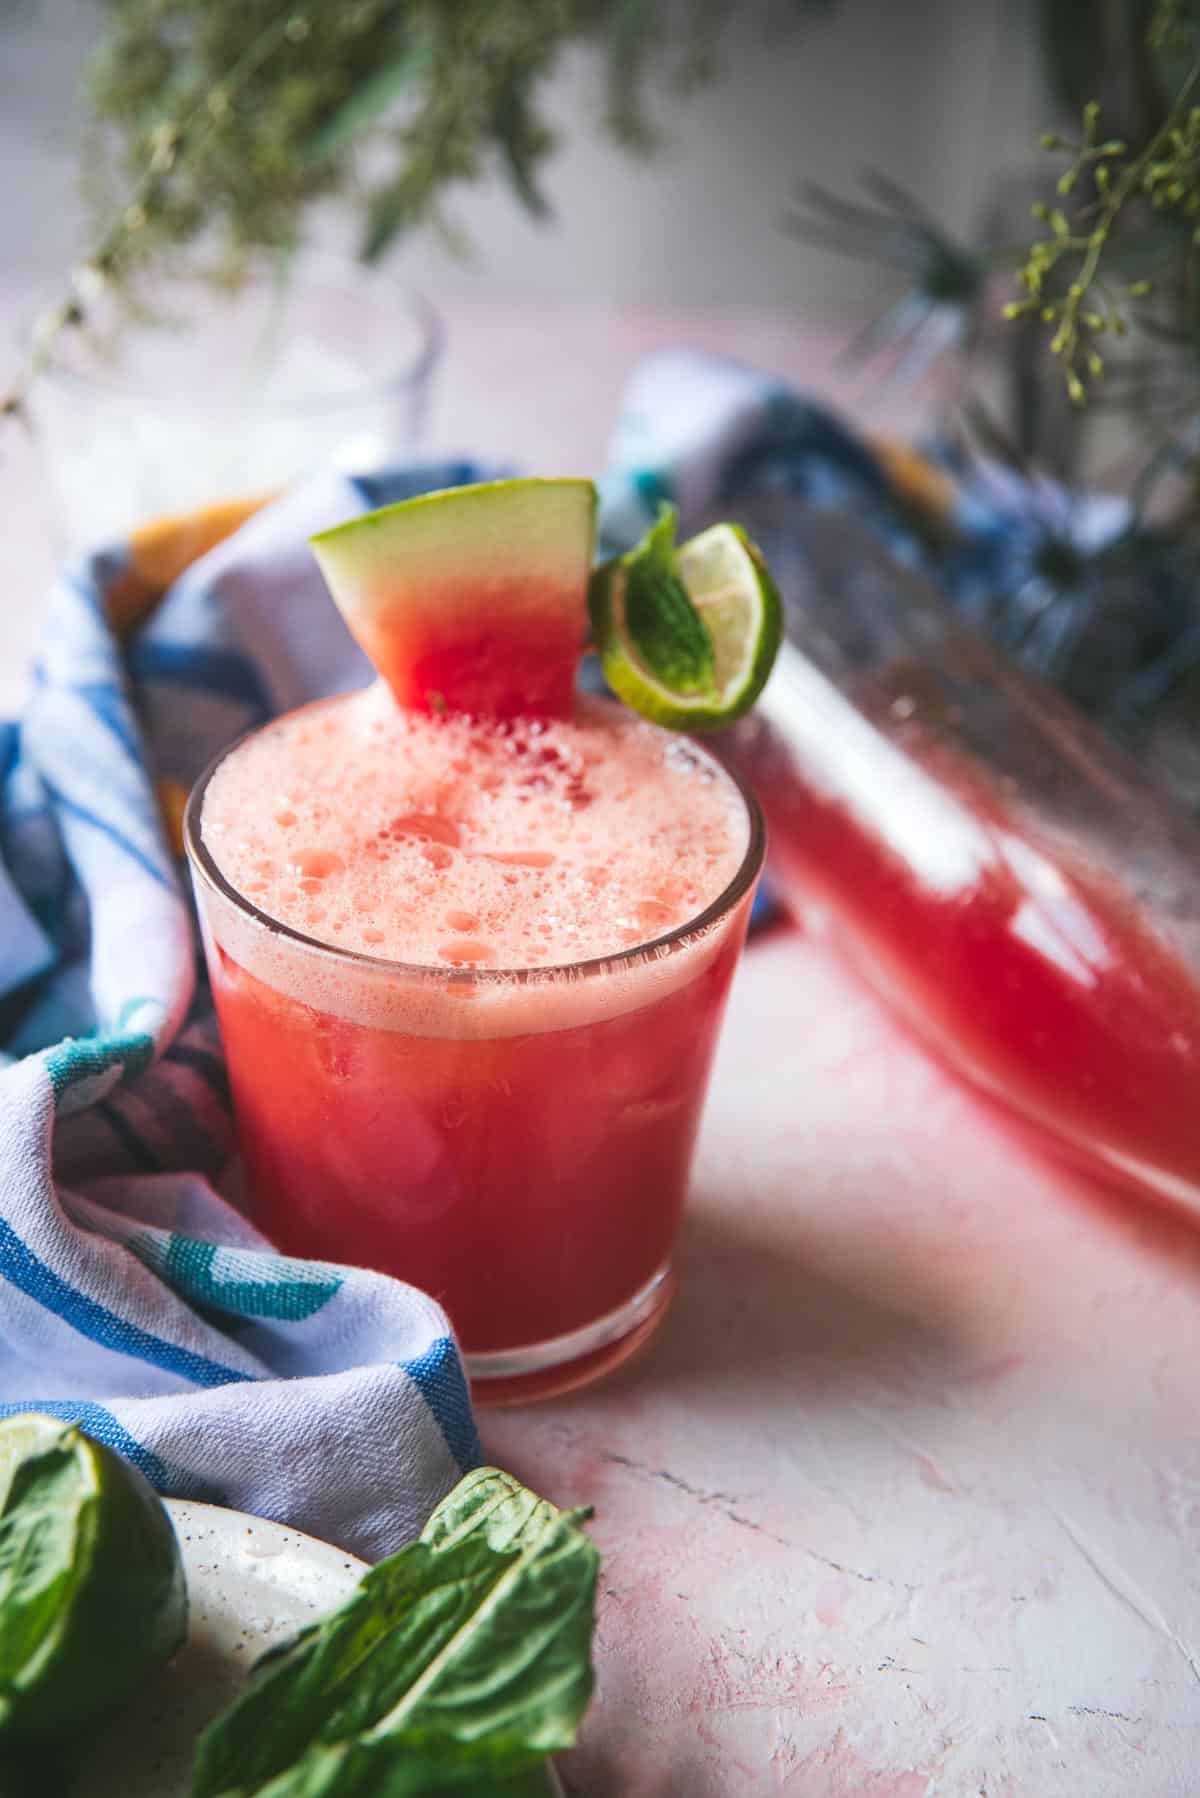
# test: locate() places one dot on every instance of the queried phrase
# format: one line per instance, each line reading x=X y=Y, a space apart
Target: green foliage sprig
x=218 y=125
x=1068 y=275
x=235 y=119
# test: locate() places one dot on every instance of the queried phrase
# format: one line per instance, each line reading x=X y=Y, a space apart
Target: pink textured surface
x=905 y=1500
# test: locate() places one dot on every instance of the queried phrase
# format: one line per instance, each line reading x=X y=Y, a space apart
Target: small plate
x=250 y=1584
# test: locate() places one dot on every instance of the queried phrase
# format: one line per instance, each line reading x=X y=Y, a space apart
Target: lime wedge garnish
x=687 y=635
x=92 y=1594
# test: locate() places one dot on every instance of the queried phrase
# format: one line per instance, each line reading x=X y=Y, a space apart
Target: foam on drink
x=455 y=843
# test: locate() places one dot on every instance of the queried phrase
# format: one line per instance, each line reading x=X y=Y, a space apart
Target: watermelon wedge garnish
x=473 y=599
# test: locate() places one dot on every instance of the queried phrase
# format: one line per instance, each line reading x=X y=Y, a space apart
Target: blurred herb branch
x=221 y=124
x=1164 y=173
x=1120 y=248
x=236 y=118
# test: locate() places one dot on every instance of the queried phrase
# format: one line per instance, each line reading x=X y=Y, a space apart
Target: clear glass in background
x=1021 y=894
x=222 y=394
x=516 y=1143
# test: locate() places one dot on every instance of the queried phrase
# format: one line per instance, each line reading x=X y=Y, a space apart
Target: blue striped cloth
x=135 y=1298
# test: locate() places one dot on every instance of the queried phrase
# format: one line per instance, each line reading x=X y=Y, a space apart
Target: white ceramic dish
x=250 y=1584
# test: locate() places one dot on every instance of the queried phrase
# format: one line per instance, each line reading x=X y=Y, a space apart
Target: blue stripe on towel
x=108 y=703
x=438 y=1376
x=107 y=829
x=22 y=1269
x=203 y=668
x=103 y=1427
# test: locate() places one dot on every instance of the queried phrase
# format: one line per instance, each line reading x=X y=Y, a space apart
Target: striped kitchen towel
x=134 y=1298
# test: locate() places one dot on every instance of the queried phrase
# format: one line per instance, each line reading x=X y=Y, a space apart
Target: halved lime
x=92 y=1594
x=687 y=636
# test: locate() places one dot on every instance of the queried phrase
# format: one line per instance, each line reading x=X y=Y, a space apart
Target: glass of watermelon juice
x=470 y=968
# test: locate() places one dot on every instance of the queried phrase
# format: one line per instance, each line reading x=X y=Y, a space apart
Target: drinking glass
x=517 y=1143
x=214 y=393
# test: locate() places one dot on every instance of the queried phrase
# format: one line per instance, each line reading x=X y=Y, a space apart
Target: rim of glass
x=743 y=880
x=319 y=270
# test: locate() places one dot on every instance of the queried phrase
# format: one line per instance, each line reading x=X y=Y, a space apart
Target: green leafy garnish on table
x=460 y=1664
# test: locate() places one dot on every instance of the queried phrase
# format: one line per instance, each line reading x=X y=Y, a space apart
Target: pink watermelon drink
x=470 y=959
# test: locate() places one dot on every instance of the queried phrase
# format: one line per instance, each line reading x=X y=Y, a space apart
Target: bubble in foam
x=521 y=858
x=316 y=864
x=428 y=826
x=653 y=914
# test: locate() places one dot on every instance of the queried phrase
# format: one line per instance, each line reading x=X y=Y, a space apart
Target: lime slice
x=92 y=1594
x=687 y=636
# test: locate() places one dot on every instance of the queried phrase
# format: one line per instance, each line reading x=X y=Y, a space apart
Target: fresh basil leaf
x=665 y=629
x=461 y=1662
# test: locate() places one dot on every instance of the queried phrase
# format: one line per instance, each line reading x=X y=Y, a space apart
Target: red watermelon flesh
x=471 y=600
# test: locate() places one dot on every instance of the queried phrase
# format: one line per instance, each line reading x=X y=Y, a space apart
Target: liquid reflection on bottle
x=1025 y=902
x=948 y=845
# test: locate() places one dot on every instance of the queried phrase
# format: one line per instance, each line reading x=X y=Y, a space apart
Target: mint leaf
x=459 y=1663
x=666 y=631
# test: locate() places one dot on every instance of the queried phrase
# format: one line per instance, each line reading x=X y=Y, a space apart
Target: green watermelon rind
x=374 y=531
x=470 y=598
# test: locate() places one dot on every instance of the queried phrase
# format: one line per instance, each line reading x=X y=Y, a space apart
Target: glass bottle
x=1020 y=893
